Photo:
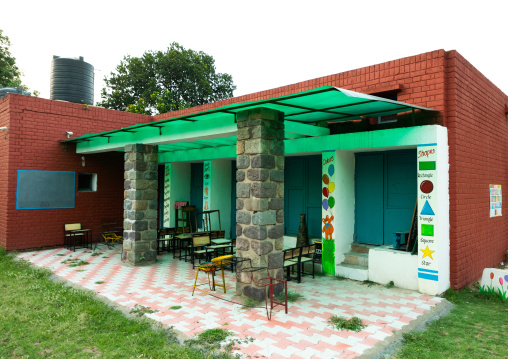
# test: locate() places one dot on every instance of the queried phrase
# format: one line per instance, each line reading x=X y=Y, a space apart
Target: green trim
x=321 y=104
x=398 y=137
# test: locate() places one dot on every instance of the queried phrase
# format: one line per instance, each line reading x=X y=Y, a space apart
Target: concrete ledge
x=386 y=265
x=352 y=271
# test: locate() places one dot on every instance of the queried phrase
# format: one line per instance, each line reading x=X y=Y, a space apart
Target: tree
x=165 y=81
x=9 y=72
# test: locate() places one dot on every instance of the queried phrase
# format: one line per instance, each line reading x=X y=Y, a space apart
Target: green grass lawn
x=40 y=318
x=476 y=328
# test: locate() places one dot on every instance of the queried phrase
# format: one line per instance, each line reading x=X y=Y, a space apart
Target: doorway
x=385 y=194
x=302 y=194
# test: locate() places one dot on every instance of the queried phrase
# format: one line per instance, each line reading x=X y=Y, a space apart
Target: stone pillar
x=140 y=205
x=260 y=196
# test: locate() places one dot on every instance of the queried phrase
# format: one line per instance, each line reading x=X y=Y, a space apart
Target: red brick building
x=471 y=108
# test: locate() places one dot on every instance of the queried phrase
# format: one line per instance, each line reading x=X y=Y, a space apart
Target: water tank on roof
x=4 y=91
x=72 y=80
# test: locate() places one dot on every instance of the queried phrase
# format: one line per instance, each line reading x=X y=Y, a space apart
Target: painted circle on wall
x=331 y=202
x=331 y=187
x=331 y=170
x=325 y=204
x=426 y=186
x=326 y=179
x=325 y=192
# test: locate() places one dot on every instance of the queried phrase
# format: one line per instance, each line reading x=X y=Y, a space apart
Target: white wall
x=387 y=265
x=345 y=203
x=180 y=186
x=220 y=193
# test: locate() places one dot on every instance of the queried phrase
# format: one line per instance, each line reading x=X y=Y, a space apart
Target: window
x=87 y=182
x=389 y=95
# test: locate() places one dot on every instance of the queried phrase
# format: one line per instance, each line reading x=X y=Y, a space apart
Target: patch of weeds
x=99 y=282
x=140 y=310
x=211 y=336
x=80 y=270
x=78 y=262
x=368 y=283
x=95 y=254
x=292 y=297
x=60 y=254
x=390 y=284
x=175 y=307
x=75 y=262
x=339 y=277
x=354 y=324
x=216 y=343
x=250 y=303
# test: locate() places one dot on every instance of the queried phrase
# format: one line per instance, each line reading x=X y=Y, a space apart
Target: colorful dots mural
x=328 y=212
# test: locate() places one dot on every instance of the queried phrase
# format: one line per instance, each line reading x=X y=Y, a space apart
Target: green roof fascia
x=404 y=137
x=325 y=103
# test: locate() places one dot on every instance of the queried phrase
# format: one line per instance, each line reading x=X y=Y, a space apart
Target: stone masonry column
x=140 y=205
x=260 y=196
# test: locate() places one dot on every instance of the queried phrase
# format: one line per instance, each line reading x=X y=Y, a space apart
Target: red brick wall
x=478 y=134
x=470 y=106
x=35 y=129
x=421 y=79
x=4 y=168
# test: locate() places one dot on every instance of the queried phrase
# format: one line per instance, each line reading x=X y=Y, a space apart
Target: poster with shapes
x=328 y=211
x=207 y=176
x=496 y=200
x=427 y=215
x=167 y=195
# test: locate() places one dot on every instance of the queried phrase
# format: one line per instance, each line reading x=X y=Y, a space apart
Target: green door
x=369 y=198
x=302 y=194
x=385 y=195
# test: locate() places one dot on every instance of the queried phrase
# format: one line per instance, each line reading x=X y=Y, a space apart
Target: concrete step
x=361 y=248
x=356 y=258
x=352 y=271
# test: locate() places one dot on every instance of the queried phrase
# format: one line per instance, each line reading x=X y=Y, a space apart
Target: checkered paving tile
x=302 y=333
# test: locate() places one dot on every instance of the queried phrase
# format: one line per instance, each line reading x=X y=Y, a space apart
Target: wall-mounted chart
x=428 y=254
x=496 y=200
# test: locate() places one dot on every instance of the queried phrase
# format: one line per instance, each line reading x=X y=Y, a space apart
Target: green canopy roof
x=325 y=103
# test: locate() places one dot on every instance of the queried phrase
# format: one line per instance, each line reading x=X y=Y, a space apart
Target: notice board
x=45 y=189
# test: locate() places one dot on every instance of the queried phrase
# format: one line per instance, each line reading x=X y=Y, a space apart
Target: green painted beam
x=167 y=133
x=303 y=129
x=210 y=153
x=398 y=137
x=407 y=136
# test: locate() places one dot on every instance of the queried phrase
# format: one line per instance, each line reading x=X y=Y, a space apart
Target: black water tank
x=72 y=80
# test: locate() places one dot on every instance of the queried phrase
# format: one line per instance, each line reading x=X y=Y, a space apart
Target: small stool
x=220 y=262
x=209 y=269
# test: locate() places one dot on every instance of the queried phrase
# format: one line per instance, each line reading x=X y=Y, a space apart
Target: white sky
x=262 y=44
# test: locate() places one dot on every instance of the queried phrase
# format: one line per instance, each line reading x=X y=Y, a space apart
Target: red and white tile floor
x=302 y=333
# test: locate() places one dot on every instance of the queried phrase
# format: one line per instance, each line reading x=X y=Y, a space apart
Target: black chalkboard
x=45 y=189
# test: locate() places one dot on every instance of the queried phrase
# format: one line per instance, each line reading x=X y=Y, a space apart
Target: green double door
x=385 y=194
x=302 y=194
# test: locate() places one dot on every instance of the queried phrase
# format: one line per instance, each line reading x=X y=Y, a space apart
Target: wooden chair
x=183 y=236
x=165 y=239
x=292 y=258
x=200 y=248
x=74 y=234
x=308 y=256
